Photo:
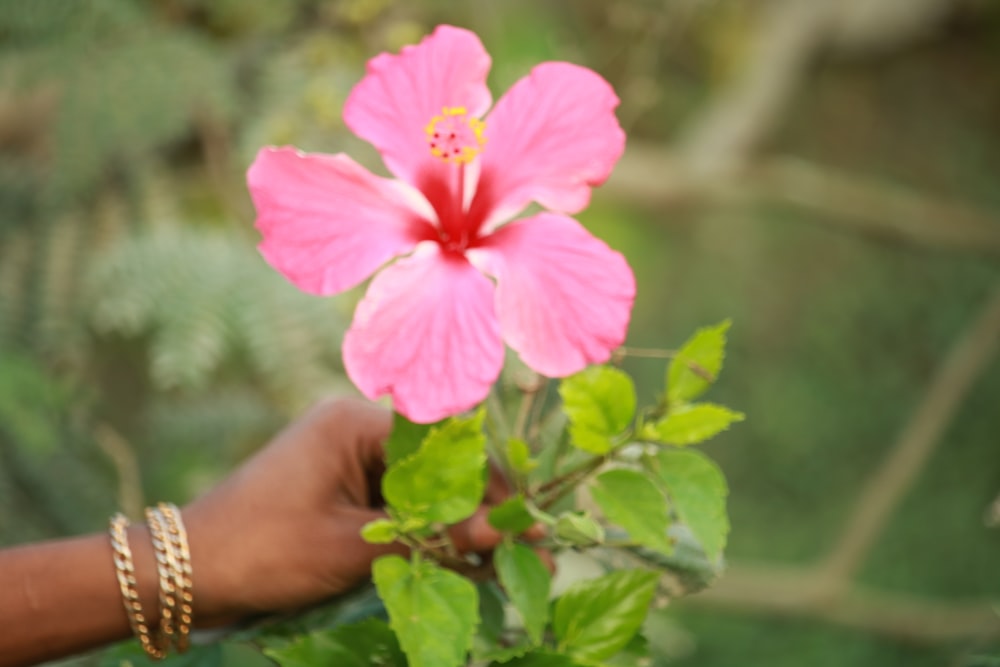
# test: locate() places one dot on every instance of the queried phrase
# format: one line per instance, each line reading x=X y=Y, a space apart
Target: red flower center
x=456 y=138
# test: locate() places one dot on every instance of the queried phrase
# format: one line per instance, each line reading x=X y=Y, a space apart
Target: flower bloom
x=430 y=330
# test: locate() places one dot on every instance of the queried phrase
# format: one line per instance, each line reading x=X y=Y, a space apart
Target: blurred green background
x=822 y=171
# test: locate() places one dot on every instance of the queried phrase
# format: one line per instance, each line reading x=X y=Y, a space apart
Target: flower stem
x=527 y=401
x=500 y=430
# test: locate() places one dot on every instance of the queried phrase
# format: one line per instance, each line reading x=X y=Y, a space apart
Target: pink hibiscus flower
x=431 y=328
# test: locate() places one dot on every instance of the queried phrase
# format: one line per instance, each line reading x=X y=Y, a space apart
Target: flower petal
x=563 y=296
x=327 y=222
x=400 y=95
x=426 y=334
x=550 y=138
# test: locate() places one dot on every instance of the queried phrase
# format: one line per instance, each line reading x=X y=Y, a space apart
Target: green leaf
x=405 y=438
x=691 y=424
x=631 y=500
x=443 y=480
x=527 y=582
x=600 y=404
x=433 y=611
x=225 y=654
x=512 y=516
x=636 y=652
x=698 y=490
x=519 y=456
x=687 y=570
x=380 y=531
x=578 y=529
x=491 y=611
x=697 y=363
x=541 y=659
x=595 y=619
x=370 y=642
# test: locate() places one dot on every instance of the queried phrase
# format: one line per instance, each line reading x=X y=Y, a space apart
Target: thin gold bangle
x=183 y=573
x=166 y=568
x=125 y=570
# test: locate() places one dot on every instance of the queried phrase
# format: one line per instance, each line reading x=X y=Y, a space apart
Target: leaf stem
x=646 y=352
x=654 y=353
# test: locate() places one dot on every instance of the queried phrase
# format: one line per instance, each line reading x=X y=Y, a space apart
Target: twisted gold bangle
x=166 y=568
x=174 y=567
x=184 y=597
x=125 y=569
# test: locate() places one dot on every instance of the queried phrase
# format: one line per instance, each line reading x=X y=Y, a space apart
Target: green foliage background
x=145 y=348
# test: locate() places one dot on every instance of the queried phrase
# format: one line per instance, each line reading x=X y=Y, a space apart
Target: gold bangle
x=184 y=598
x=125 y=570
x=166 y=568
x=183 y=578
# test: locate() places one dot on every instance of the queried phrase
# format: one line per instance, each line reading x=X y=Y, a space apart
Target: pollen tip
x=455 y=137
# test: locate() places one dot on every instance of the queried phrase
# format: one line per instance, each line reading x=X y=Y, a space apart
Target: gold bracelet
x=166 y=567
x=125 y=569
x=182 y=574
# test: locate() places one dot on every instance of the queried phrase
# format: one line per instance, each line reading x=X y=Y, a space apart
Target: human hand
x=283 y=531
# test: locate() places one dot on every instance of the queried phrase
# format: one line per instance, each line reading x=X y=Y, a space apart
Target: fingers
x=354 y=554
x=361 y=424
x=475 y=534
x=497 y=487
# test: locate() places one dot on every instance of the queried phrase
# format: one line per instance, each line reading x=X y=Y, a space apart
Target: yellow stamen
x=455 y=137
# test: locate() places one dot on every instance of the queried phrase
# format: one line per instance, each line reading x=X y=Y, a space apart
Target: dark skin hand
x=282 y=532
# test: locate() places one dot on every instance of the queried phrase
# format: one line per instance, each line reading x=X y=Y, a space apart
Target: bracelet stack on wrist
x=173 y=566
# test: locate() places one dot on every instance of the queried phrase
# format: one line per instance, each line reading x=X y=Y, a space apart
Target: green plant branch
x=559 y=486
x=584 y=467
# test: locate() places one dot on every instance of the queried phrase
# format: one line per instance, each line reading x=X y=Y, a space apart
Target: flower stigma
x=454 y=136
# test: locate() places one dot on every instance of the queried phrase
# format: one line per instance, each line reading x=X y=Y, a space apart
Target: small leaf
x=370 y=642
x=698 y=490
x=691 y=424
x=519 y=456
x=405 y=438
x=433 y=611
x=595 y=619
x=697 y=363
x=578 y=529
x=600 y=404
x=631 y=500
x=527 y=582
x=443 y=480
x=512 y=516
x=380 y=531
